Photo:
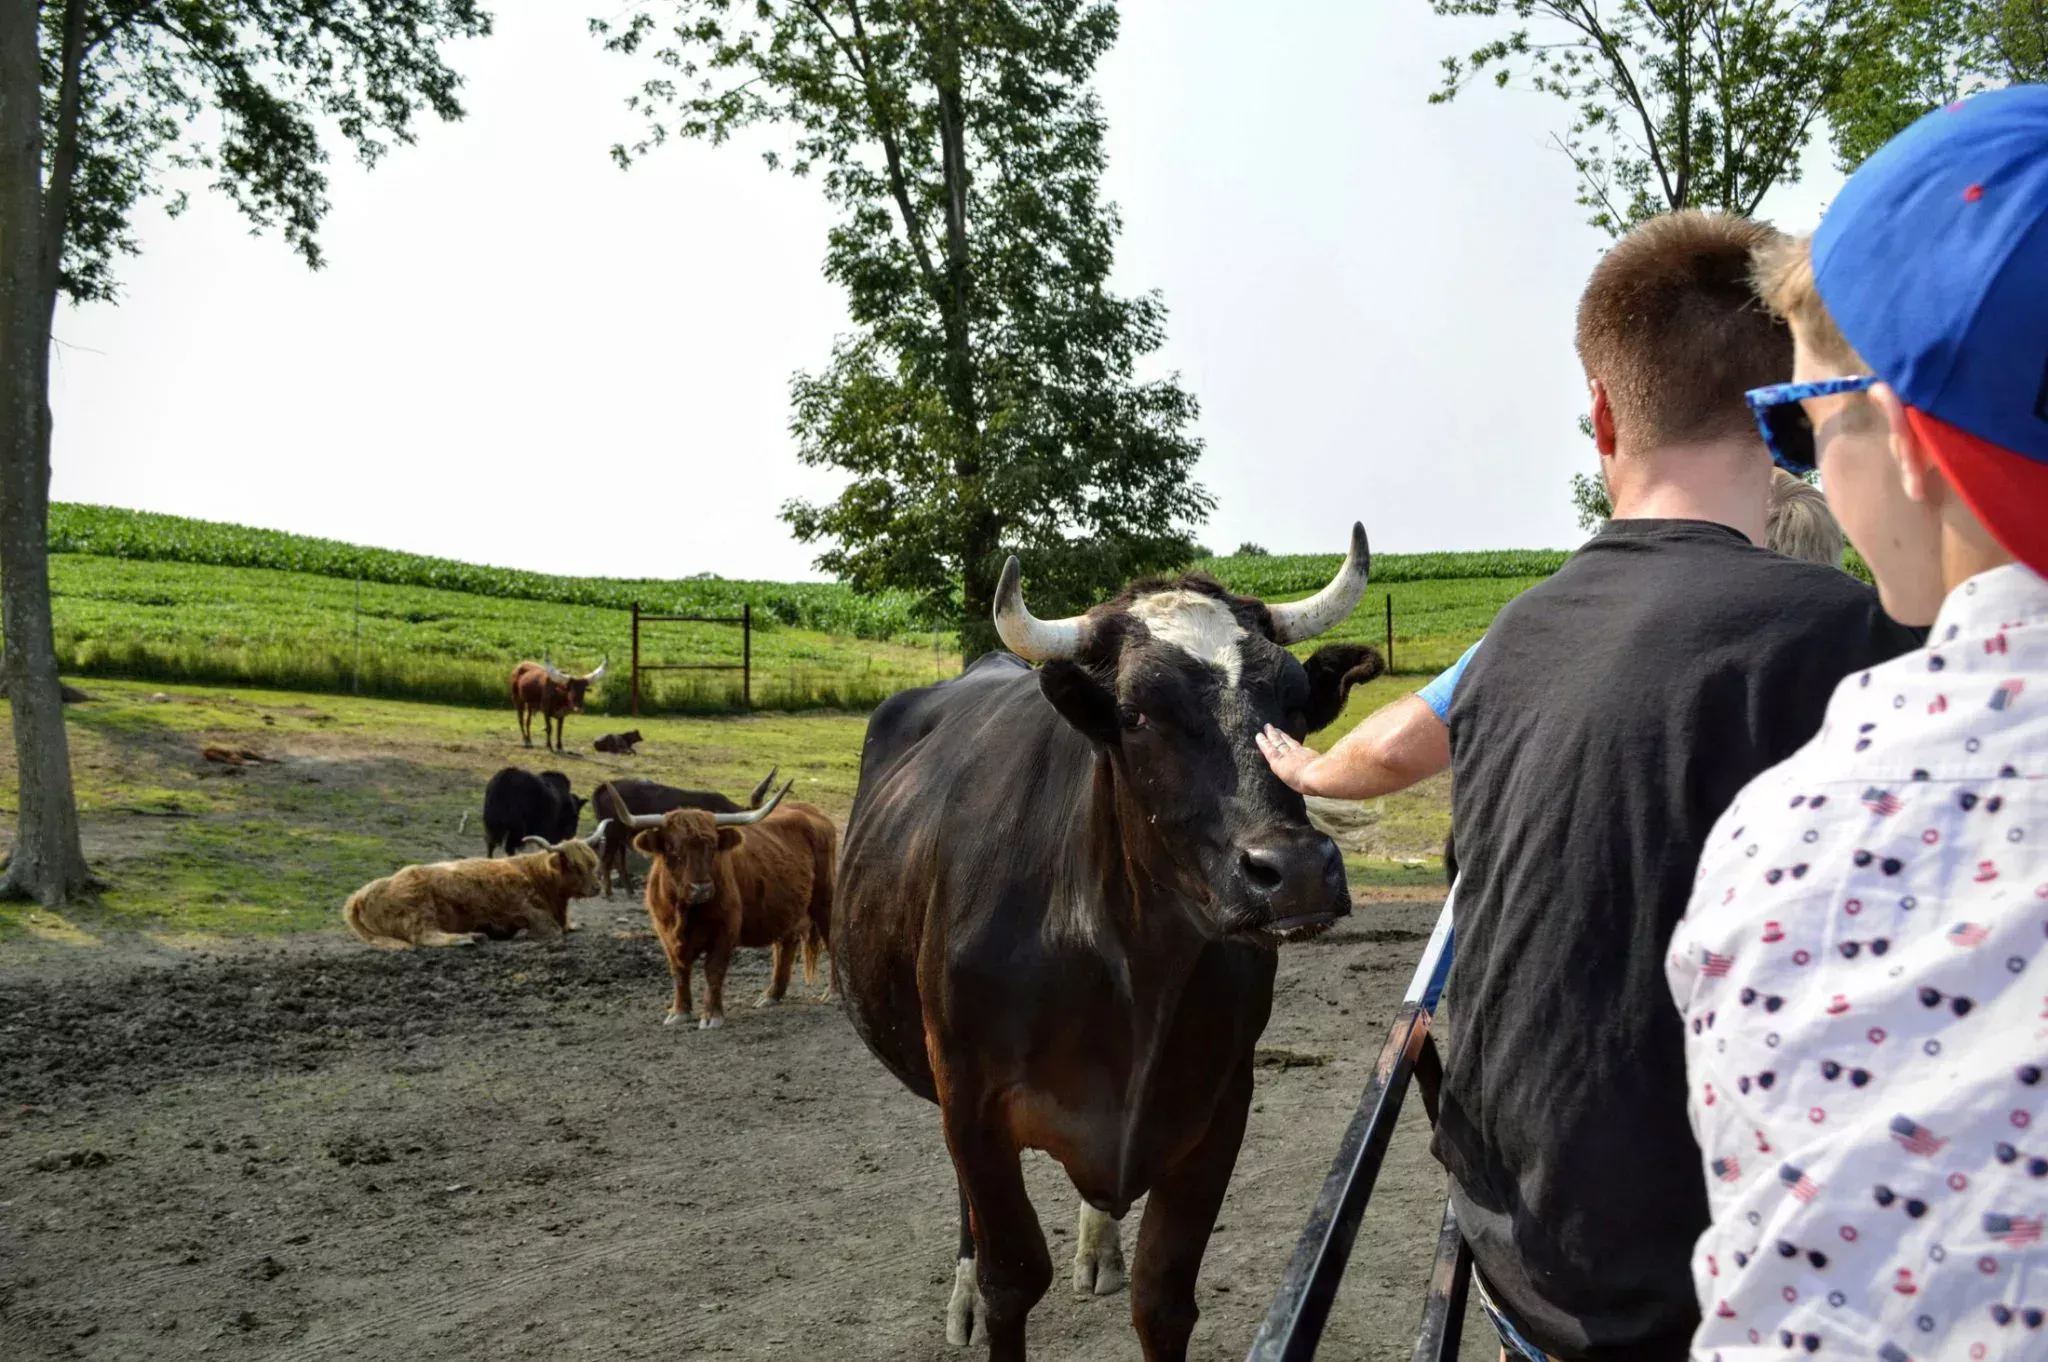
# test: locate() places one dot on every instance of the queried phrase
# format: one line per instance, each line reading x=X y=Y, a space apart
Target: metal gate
x=745 y=666
x=1301 y=1308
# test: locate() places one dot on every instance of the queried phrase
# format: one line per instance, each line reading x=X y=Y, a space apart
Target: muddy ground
x=314 y=1150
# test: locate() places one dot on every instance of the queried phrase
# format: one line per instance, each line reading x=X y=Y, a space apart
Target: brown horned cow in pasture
x=629 y=794
x=461 y=903
x=721 y=880
x=545 y=689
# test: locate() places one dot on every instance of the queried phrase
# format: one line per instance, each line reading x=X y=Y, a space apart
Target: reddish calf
x=721 y=880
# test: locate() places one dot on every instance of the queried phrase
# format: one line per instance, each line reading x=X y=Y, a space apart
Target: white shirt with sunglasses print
x=1864 y=986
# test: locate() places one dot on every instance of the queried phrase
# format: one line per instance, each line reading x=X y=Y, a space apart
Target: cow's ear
x=728 y=838
x=1080 y=699
x=1332 y=672
x=649 y=842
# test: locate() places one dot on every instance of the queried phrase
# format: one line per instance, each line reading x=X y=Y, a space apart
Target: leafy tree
x=97 y=99
x=1250 y=550
x=1672 y=103
x=986 y=400
x=1675 y=104
x=1927 y=53
x=1589 y=501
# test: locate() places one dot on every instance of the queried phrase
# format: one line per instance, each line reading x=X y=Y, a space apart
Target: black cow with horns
x=1058 y=908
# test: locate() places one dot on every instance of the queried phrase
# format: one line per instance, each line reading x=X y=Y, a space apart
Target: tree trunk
x=981 y=528
x=48 y=863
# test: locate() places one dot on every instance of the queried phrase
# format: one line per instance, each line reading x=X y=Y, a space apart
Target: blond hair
x=1800 y=525
x=1784 y=279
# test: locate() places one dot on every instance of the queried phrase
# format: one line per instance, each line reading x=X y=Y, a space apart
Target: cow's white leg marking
x=1098 y=1254
x=965 y=1306
x=672 y=1018
x=710 y=1023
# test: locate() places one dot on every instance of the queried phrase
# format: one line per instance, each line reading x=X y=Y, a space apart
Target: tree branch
x=862 y=58
x=1617 y=64
x=63 y=156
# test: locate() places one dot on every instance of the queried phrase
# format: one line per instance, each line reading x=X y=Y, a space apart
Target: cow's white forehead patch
x=1200 y=625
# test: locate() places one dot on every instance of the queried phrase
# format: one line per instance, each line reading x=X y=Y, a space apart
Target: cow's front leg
x=1010 y=1256
x=1179 y=1215
x=671 y=935
x=715 y=962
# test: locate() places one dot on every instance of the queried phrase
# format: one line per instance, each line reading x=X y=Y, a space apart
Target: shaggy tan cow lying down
x=459 y=903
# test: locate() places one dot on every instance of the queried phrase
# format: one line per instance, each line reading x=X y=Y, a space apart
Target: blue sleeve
x=1437 y=694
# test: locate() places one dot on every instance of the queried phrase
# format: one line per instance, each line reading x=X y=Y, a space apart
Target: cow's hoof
x=766 y=999
x=1098 y=1255
x=965 y=1305
x=710 y=1023
x=672 y=1018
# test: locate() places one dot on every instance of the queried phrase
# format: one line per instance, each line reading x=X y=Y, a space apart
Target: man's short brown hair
x=1671 y=325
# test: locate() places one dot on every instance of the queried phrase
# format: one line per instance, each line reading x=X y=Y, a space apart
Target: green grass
x=144 y=536
x=239 y=626
x=363 y=786
x=167 y=599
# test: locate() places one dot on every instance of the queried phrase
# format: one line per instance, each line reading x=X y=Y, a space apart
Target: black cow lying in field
x=620 y=744
x=619 y=799
x=1057 y=915
x=519 y=804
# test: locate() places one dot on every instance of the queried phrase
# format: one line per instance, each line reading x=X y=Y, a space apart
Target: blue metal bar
x=1301 y=1308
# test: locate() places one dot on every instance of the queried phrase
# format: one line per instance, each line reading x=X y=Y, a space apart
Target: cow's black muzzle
x=1291 y=884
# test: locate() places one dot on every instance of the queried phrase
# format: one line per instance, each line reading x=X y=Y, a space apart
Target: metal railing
x=1301 y=1308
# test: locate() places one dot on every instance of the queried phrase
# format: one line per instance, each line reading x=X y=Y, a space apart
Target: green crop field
x=297 y=631
x=168 y=599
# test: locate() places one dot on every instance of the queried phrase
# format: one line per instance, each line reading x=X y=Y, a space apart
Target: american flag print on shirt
x=1797 y=1183
x=2016 y=1230
x=1915 y=1138
x=1907 y=975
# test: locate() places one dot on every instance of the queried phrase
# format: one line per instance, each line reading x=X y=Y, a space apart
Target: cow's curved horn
x=761 y=791
x=601 y=834
x=1297 y=621
x=538 y=843
x=598 y=675
x=556 y=673
x=1023 y=633
x=638 y=822
x=740 y=820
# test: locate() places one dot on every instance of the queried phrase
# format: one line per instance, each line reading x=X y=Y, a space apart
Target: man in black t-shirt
x=1612 y=715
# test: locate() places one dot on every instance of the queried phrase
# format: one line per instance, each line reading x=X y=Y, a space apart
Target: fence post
x=355 y=668
x=747 y=657
x=636 y=659
x=1390 y=631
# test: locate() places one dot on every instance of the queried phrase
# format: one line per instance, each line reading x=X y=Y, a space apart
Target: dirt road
x=320 y=1151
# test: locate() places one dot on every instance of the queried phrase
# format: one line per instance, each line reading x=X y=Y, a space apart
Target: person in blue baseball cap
x=1861 y=967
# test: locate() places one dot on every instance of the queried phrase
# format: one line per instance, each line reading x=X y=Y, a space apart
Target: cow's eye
x=1132 y=717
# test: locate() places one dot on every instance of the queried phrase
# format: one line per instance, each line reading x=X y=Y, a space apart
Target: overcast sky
x=519 y=354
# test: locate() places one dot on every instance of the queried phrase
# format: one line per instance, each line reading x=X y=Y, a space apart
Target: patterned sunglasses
x=1787 y=432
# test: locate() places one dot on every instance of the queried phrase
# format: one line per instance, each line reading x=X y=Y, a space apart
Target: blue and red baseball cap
x=1933 y=261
